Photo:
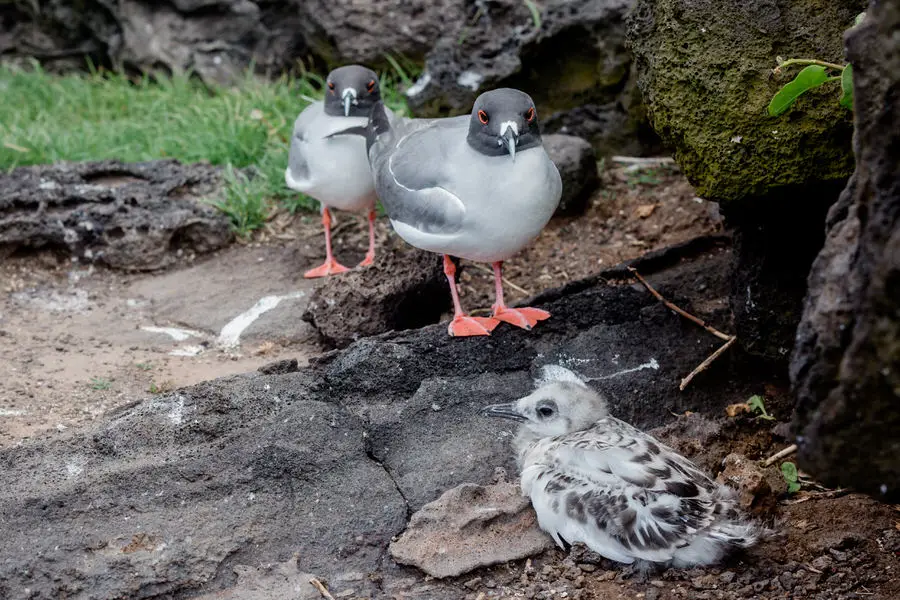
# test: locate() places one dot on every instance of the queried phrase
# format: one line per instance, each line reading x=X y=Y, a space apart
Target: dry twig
x=729 y=339
x=705 y=364
x=780 y=454
x=490 y=272
x=323 y=591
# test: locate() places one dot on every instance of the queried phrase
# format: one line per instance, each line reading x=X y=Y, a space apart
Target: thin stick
x=705 y=364
x=780 y=454
x=323 y=591
x=640 y=160
x=519 y=289
x=681 y=312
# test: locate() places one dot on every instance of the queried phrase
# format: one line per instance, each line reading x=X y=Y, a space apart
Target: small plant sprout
x=99 y=383
x=144 y=366
x=756 y=405
x=814 y=74
x=791 y=476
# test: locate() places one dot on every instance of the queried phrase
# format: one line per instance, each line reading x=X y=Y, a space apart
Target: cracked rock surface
x=192 y=492
x=131 y=216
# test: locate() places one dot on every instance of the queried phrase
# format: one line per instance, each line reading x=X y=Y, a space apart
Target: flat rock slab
x=138 y=216
x=170 y=496
x=241 y=295
x=471 y=526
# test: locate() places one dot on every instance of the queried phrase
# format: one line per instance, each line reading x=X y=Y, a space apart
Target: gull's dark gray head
x=351 y=91
x=503 y=122
x=556 y=408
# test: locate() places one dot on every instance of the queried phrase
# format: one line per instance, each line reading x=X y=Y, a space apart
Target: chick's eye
x=529 y=116
x=483 y=117
x=545 y=411
x=370 y=87
x=331 y=85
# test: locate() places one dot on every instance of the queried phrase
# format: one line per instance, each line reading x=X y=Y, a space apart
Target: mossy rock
x=705 y=68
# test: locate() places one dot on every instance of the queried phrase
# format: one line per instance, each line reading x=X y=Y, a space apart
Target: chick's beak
x=503 y=411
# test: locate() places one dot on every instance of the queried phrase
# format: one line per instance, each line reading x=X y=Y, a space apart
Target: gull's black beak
x=504 y=411
x=510 y=139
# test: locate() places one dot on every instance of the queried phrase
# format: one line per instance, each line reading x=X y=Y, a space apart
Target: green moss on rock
x=705 y=70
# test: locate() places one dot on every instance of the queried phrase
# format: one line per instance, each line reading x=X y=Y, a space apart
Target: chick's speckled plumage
x=595 y=479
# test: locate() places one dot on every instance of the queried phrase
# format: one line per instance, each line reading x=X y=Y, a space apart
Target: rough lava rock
x=404 y=289
x=577 y=164
x=219 y=39
x=187 y=493
x=137 y=216
x=706 y=73
x=471 y=526
x=846 y=363
x=575 y=61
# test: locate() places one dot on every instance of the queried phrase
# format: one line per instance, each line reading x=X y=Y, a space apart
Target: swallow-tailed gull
x=479 y=187
x=597 y=480
x=335 y=171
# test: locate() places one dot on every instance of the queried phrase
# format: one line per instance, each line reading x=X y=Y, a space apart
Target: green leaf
x=756 y=404
x=807 y=79
x=789 y=470
x=859 y=19
x=793 y=487
x=847 y=87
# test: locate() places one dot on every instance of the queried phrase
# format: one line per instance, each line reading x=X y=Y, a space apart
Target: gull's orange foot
x=464 y=326
x=368 y=260
x=329 y=267
x=526 y=318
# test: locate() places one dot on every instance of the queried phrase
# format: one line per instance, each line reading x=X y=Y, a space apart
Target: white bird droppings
x=230 y=336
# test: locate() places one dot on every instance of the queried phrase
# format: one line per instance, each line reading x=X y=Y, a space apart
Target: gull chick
x=597 y=480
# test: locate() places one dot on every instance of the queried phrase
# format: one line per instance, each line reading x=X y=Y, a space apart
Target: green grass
x=46 y=118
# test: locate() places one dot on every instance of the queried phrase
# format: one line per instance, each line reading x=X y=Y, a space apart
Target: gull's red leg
x=462 y=324
x=526 y=318
x=370 y=255
x=330 y=266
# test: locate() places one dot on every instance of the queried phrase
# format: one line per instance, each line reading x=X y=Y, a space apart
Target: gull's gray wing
x=412 y=177
x=298 y=165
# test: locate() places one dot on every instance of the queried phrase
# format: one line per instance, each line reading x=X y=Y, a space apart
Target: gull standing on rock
x=479 y=187
x=597 y=480
x=335 y=171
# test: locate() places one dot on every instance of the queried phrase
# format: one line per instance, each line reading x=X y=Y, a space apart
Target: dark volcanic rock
x=576 y=58
x=129 y=216
x=846 y=364
x=577 y=164
x=177 y=495
x=219 y=39
x=406 y=288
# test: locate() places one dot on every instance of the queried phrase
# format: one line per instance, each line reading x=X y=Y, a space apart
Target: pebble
x=587 y=568
x=787 y=581
x=727 y=577
x=821 y=563
x=473 y=583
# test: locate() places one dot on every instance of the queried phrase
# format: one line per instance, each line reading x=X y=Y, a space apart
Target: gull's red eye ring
x=483 y=117
x=529 y=116
x=331 y=86
x=370 y=87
